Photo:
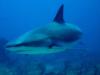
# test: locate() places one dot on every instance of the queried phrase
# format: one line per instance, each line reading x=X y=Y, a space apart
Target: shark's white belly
x=36 y=50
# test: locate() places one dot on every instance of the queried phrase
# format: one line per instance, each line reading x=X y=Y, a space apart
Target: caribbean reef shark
x=54 y=37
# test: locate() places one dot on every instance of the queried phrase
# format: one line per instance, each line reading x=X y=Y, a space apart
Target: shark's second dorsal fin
x=59 y=16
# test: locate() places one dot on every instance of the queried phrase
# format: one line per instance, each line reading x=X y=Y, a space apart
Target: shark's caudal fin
x=59 y=16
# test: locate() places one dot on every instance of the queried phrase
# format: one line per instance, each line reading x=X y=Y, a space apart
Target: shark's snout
x=74 y=35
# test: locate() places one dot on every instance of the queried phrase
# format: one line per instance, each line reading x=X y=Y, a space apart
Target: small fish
x=54 y=37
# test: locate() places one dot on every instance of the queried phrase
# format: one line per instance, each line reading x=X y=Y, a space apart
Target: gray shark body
x=54 y=37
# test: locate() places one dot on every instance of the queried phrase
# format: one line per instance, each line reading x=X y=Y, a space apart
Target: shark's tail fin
x=59 y=16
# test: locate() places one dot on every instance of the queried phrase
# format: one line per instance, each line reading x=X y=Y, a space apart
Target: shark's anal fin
x=59 y=16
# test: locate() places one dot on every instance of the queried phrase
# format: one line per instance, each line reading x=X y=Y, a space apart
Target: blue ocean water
x=20 y=16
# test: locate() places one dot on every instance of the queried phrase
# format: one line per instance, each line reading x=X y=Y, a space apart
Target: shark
x=53 y=37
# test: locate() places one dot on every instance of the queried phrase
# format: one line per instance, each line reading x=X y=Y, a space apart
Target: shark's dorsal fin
x=59 y=16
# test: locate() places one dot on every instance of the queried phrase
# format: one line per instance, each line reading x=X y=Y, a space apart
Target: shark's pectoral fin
x=55 y=44
x=52 y=45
